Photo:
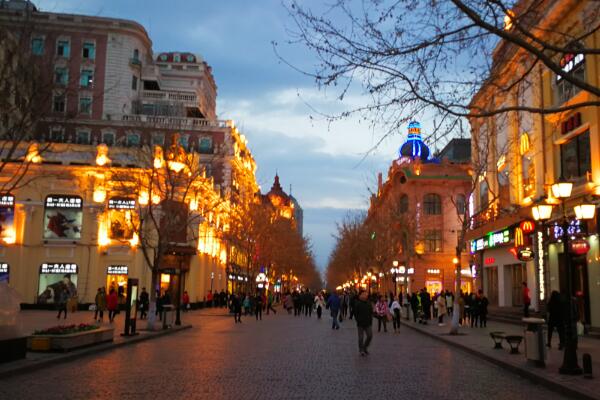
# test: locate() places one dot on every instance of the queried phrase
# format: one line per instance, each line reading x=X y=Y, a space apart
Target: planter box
x=13 y=349
x=70 y=341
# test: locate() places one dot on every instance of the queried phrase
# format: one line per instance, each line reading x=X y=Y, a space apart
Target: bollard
x=587 y=366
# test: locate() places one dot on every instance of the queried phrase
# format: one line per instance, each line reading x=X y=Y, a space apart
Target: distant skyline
x=270 y=102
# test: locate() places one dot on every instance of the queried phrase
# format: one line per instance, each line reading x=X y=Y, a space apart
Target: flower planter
x=13 y=349
x=71 y=341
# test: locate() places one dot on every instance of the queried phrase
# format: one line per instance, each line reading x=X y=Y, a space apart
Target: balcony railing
x=174 y=122
x=164 y=95
x=488 y=215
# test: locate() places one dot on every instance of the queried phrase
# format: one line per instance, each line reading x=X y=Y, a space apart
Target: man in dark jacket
x=334 y=304
x=363 y=314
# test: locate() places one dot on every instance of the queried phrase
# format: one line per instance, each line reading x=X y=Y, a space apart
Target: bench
x=514 y=341
x=497 y=337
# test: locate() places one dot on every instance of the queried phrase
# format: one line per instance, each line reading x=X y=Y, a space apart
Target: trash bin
x=535 y=348
x=168 y=316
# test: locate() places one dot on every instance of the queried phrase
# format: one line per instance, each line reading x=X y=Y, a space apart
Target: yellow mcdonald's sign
x=519 y=237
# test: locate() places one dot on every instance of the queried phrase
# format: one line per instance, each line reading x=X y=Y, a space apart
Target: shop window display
x=63 y=216
x=54 y=278
x=116 y=278
x=120 y=215
x=4 y=272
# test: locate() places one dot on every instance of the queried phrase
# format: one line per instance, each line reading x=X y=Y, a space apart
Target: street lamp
x=562 y=191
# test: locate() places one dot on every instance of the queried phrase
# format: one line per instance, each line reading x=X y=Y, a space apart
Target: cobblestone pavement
x=282 y=357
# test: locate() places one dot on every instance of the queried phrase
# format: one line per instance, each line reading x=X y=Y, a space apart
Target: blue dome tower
x=414 y=146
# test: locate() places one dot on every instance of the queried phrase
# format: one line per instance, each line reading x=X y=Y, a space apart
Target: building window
x=61 y=76
x=136 y=54
x=62 y=48
x=433 y=241
x=403 y=204
x=461 y=204
x=573 y=64
x=82 y=137
x=205 y=146
x=89 y=51
x=148 y=109
x=177 y=58
x=483 y=195
x=37 y=46
x=87 y=78
x=59 y=103
x=184 y=141
x=134 y=82
x=133 y=140
x=108 y=138
x=158 y=139
x=432 y=204
x=575 y=157
x=57 y=135
x=85 y=105
x=121 y=224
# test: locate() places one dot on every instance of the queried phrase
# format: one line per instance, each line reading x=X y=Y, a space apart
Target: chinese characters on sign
x=55 y=201
x=58 y=268
x=117 y=270
x=7 y=200
x=491 y=240
x=120 y=203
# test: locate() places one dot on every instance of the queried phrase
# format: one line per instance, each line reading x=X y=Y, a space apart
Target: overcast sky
x=269 y=101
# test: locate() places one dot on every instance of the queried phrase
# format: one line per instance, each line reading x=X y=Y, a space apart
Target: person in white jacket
x=395 y=308
x=319 y=304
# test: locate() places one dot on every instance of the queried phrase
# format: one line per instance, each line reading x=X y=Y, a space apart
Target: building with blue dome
x=414 y=146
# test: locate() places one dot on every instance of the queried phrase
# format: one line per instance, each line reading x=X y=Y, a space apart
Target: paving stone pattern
x=282 y=357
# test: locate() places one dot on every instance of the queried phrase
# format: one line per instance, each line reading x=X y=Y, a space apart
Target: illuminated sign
x=117 y=270
x=525 y=254
x=58 y=268
x=575 y=227
x=66 y=201
x=491 y=240
x=541 y=269
x=489 y=260
x=7 y=200
x=527 y=226
x=579 y=246
x=3 y=268
x=120 y=203
x=519 y=241
x=433 y=271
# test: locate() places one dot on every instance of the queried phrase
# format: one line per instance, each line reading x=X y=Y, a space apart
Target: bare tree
x=430 y=58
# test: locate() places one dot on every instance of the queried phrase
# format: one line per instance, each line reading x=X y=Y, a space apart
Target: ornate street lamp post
x=562 y=191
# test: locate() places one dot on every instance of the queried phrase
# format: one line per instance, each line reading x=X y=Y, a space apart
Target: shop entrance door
x=491 y=277
x=580 y=288
x=519 y=275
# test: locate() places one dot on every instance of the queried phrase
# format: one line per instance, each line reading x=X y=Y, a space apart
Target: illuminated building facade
x=113 y=103
x=524 y=154
x=419 y=205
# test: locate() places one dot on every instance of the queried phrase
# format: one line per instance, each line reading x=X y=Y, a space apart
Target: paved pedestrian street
x=282 y=357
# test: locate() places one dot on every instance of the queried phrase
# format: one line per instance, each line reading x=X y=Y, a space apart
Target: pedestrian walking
x=247 y=305
x=100 y=302
x=475 y=305
x=63 y=300
x=334 y=304
x=396 y=307
x=144 y=303
x=236 y=306
x=363 y=314
x=270 y=299
x=414 y=305
x=483 y=309
x=526 y=300
x=555 y=320
x=441 y=309
x=449 y=303
x=381 y=312
x=308 y=303
x=112 y=303
x=185 y=301
x=258 y=306
x=320 y=304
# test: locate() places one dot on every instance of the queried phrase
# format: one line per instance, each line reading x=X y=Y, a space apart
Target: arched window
x=461 y=204
x=432 y=204
x=403 y=204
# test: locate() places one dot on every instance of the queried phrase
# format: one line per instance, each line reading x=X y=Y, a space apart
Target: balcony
x=174 y=122
x=189 y=99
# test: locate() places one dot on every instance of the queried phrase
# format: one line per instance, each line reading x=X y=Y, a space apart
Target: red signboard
x=527 y=226
x=579 y=246
x=490 y=260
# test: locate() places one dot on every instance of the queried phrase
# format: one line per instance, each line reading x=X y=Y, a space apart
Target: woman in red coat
x=112 y=304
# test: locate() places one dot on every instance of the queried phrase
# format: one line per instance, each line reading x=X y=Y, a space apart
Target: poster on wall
x=4 y=272
x=7 y=216
x=63 y=216
x=55 y=278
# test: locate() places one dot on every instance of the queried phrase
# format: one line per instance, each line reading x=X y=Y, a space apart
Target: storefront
x=4 y=272
x=120 y=216
x=434 y=280
x=503 y=272
x=54 y=278
x=63 y=215
x=116 y=278
x=7 y=219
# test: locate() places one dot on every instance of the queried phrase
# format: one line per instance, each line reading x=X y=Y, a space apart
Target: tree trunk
x=152 y=307
x=456 y=309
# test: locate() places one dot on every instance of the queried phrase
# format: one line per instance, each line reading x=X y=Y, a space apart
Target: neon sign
x=541 y=266
x=569 y=62
x=493 y=239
